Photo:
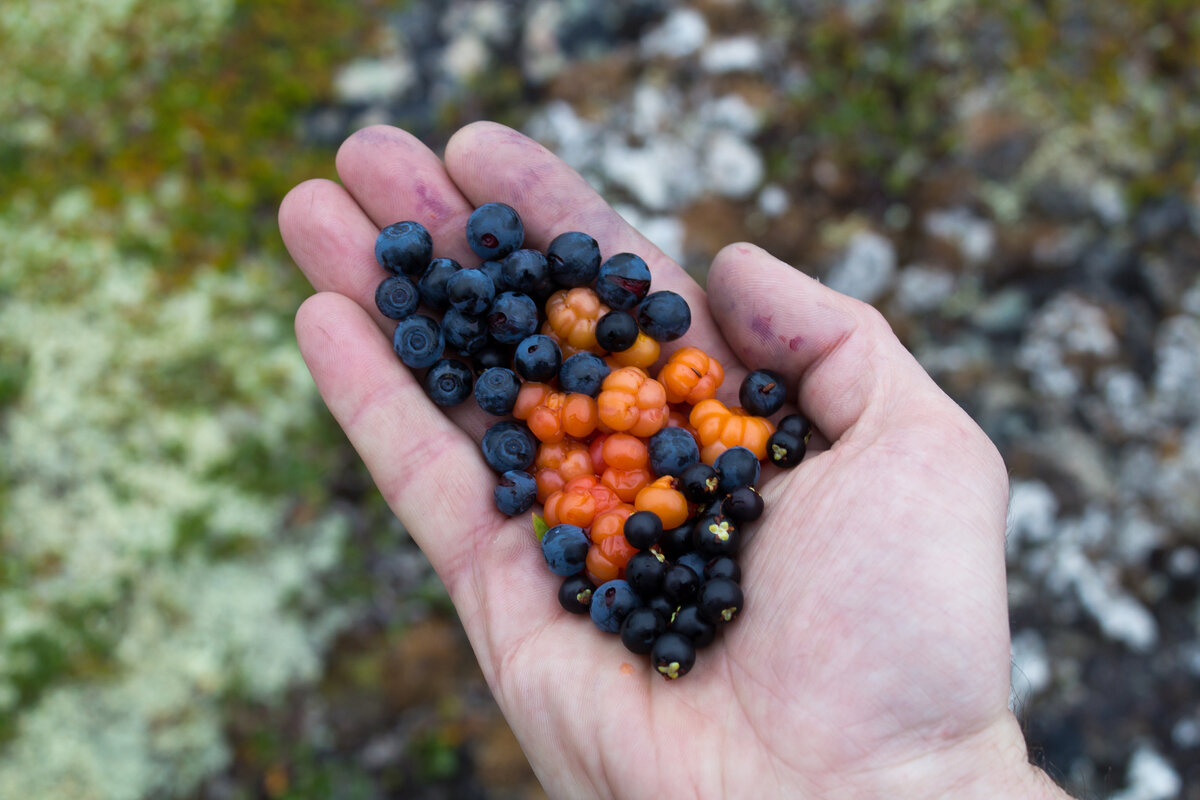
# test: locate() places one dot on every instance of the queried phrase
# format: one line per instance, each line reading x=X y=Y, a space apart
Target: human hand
x=872 y=659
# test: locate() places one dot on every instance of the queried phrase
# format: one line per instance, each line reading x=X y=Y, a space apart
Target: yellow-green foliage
x=163 y=448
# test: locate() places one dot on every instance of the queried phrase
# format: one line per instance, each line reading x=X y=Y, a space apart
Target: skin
x=873 y=656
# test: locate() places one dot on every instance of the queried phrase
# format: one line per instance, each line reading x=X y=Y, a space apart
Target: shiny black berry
x=797 y=425
x=723 y=567
x=575 y=594
x=785 y=450
x=663 y=605
x=673 y=655
x=720 y=600
x=716 y=535
x=737 y=466
x=676 y=541
x=645 y=572
x=698 y=483
x=690 y=623
x=680 y=584
x=744 y=504
x=640 y=629
x=643 y=529
x=616 y=331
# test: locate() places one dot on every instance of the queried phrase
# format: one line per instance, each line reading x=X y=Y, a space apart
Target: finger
x=490 y=162
x=427 y=468
x=849 y=365
x=393 y=176
x=332 y=240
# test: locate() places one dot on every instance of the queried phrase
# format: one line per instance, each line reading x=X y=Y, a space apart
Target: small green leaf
x=539 y=527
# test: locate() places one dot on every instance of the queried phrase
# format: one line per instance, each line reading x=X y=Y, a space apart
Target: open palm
x=872 y=658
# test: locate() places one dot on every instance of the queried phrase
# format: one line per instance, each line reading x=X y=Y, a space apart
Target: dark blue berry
x=464 y=333
x=512 y=317
x=526 y=271
x=583 y=373
x=797 y=425
x=448 y=382
x=418 y=341
x=574 y=259
x=680 y=583
x=470 y=291
x=515 y=492
x=785 y=450
x=397 y=297
x=720 y=600
x=640 y=629
x=671 y=451
x=496 y=390
x=664 y=316
x=693 y=561
x=616 y=331
x=495 y=271
x=404 y=248
x=673 y=655
x=623 y=281
x=644 y=572
x=493 y=354
x=575 y=594
x=509 y=445
x=723 y=567
x=643 y=529
x=494 y=230
x=565 y=549
x=737 y=466
x=743 y=504
x=690 y=623
x=433 y=283
x=537 y=358
x=715 y=535
x=762 y=392
x=698 y=482
x=611 y=603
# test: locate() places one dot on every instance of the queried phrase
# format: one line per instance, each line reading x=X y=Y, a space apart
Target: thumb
x=851 y=369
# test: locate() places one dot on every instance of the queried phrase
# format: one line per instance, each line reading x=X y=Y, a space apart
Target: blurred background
x=202 y=594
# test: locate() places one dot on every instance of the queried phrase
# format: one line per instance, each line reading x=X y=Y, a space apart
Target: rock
x=731 y=166
x=1032 y=513
x=371 y=81
x=866 y=269
x=773 y=200
x=1030 y=671
x=1177 y=371
x=972 y=236
x=735 y=54
x=682 y=33
x=661 y=175
x=921 y=288
x=1149 y=777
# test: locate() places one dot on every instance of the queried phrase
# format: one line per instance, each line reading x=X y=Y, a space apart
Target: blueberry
x=698 y=482
x=465 y=334
x=671 y=451
x=537 y=358
x=673 y=655
x=496 y=390
x=645 y=571
x=433 y=283
x=493 y=354
x=509 y=445
x=762 y=392
x=565 y=549
x=418 y=341
x=574 y=259
x=495 y=271
x=680 y=583
x=797 y=425
x=716 y=535
x=664 y=316
x=404 y=248
x=737 y=466
x=575 y=594
x=690 y=623
x=494 y=230
x=723 y=567
x=611 y=603
x=583 y=373
x=623 y=281
x=743 y=504
x=720 y=600
x=397 y=297
x=640 y=628
x=515 y=493
x=693 y=561
x=470 y=291
x=448 y=382
x=526 y=271
x=616 y=331
x=785 y=450
x=512 y=317
x=643 y=529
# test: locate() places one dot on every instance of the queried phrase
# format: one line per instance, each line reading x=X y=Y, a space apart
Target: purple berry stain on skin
x=795 y=342
x=762 y=327
x=430 y=202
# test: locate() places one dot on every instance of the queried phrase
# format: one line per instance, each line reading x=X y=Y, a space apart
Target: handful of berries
x=646 y=480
